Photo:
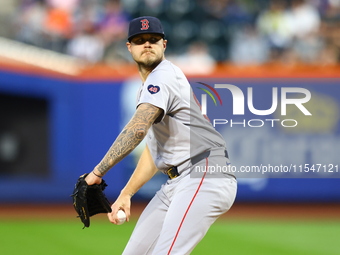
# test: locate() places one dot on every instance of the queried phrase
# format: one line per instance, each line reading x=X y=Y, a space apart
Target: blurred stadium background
x=67 y=83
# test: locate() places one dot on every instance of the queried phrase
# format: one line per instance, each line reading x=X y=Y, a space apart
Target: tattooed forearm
x=133 y=133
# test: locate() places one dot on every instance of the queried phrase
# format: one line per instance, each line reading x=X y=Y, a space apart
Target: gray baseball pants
x=181 y=212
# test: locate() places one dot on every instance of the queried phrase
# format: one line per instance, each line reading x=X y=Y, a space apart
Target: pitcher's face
x=147 y=49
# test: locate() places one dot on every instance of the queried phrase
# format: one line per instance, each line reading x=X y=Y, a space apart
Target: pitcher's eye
x=154 y=39
x=139 y=41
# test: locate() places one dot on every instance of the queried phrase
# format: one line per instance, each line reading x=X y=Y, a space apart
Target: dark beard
x=148 y=65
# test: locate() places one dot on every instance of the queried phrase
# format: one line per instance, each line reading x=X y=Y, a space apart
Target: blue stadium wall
x=81 y=119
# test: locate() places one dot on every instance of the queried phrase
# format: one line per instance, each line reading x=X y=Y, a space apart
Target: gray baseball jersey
x=183 y=131
x=181 y=212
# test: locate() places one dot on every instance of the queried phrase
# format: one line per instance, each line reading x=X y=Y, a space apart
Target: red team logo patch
x=145 y=24
x=153 y=89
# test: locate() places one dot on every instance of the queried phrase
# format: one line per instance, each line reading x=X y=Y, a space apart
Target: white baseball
x=121 y=217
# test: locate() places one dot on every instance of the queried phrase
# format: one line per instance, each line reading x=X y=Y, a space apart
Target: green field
x=66 y=237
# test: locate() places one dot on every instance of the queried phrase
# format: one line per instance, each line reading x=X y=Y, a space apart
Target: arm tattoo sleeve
x=132 y=134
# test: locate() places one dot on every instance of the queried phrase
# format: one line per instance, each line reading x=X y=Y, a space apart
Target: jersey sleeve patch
x=153 y=89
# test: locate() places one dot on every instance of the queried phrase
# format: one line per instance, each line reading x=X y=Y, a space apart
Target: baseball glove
x=89 y=200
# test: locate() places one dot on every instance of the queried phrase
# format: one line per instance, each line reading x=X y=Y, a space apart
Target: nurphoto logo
x=239 y=99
